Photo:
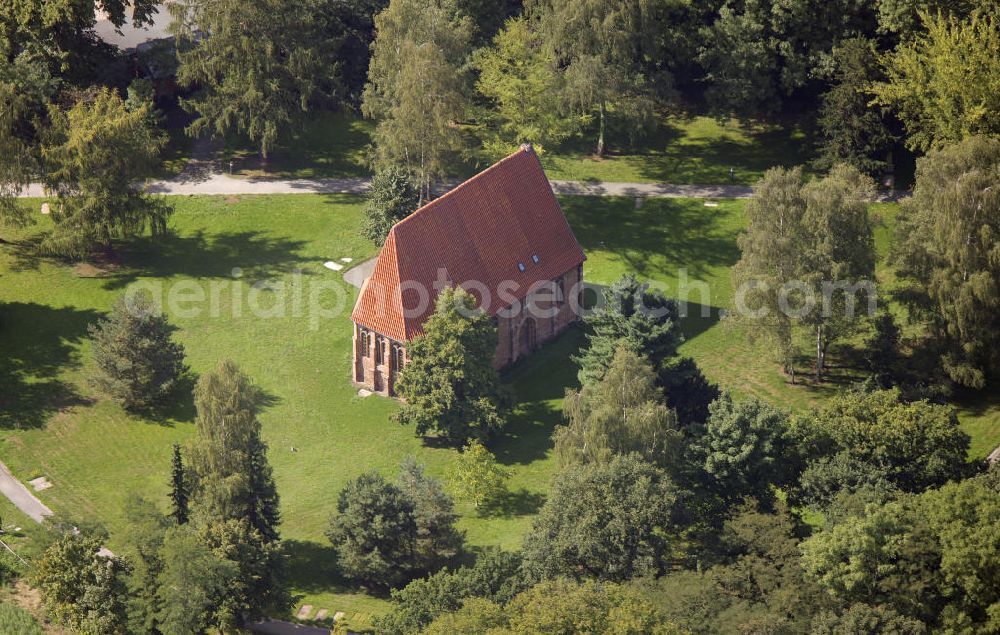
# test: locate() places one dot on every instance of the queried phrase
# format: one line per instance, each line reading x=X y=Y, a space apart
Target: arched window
x=363 y=340
x=397 y=358
x=379 y=349
x=529 y=338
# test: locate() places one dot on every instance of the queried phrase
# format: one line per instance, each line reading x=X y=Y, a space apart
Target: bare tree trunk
x=600 y=136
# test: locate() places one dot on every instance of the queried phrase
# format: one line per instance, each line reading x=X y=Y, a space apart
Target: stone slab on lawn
x=304 y=612
x=41 y=483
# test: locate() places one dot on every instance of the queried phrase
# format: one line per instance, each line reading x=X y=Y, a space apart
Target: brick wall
x=540 y=317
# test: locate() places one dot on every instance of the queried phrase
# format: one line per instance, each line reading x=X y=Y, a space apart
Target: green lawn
x=52 y=423
x=686 y=149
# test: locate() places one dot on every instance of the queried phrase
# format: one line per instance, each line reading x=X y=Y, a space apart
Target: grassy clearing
x=52 y=424
x=684 y=149
x=688 y=149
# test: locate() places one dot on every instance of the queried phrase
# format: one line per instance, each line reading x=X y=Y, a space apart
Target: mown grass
x=685 y=149
x=320 y=433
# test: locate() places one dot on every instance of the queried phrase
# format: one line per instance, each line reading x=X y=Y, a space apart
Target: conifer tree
x=138 y=362
x=93 y=155
x=644 y=321
x=438 y=541
x=391 y=198
x=178 y=487
x=622 y=413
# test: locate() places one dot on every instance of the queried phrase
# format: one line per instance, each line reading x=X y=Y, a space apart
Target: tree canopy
x=943 y=84
x=94 y=155
x=607 y=521
x=807 y=258
x=928 y=557
x=138 y=362
x=622 y=413
x=449 y=383
x=417 y=86
x=256 y=67
x=631 y=314
x=948 y=255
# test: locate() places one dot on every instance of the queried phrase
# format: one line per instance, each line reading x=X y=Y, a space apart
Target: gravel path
x=223 y=184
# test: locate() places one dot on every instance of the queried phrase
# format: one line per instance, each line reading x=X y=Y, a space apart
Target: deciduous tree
x=61 y=32
x=947 y=251
x=81 y=589
x=476 y=475
x=913 y=445
x=927 y=556
x=608 y=521
x=943 y=84
x=449 y=383
x=807 y=258
x=519 y=76
x=418 y=87
x=234 y=507
x=192 y=584
x=622 y=413
x=230 y=476
x=95 y=154
x=600 y=45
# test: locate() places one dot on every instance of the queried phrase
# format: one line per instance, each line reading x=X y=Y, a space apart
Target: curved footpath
x=223 y=184
x=22 y=498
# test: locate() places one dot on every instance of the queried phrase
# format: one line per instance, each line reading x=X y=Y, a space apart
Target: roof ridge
x=525 y=148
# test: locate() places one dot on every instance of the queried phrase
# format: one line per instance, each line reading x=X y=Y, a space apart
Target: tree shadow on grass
x=37 y=343
x=178 y=407
x=251 y=255
x=312 y=568
x=511 y=504
x=705 y=160
x=537 y=382
x=669 y=231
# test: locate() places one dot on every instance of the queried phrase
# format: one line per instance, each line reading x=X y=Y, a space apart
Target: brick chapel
x=500 y=234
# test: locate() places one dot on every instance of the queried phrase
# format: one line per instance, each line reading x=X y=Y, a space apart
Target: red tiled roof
x=478 y=231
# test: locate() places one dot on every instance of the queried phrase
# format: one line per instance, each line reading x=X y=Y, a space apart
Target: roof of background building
x=504 y=224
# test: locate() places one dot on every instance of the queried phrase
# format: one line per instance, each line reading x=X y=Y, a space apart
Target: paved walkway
x=23 y=499
x=204 y=183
